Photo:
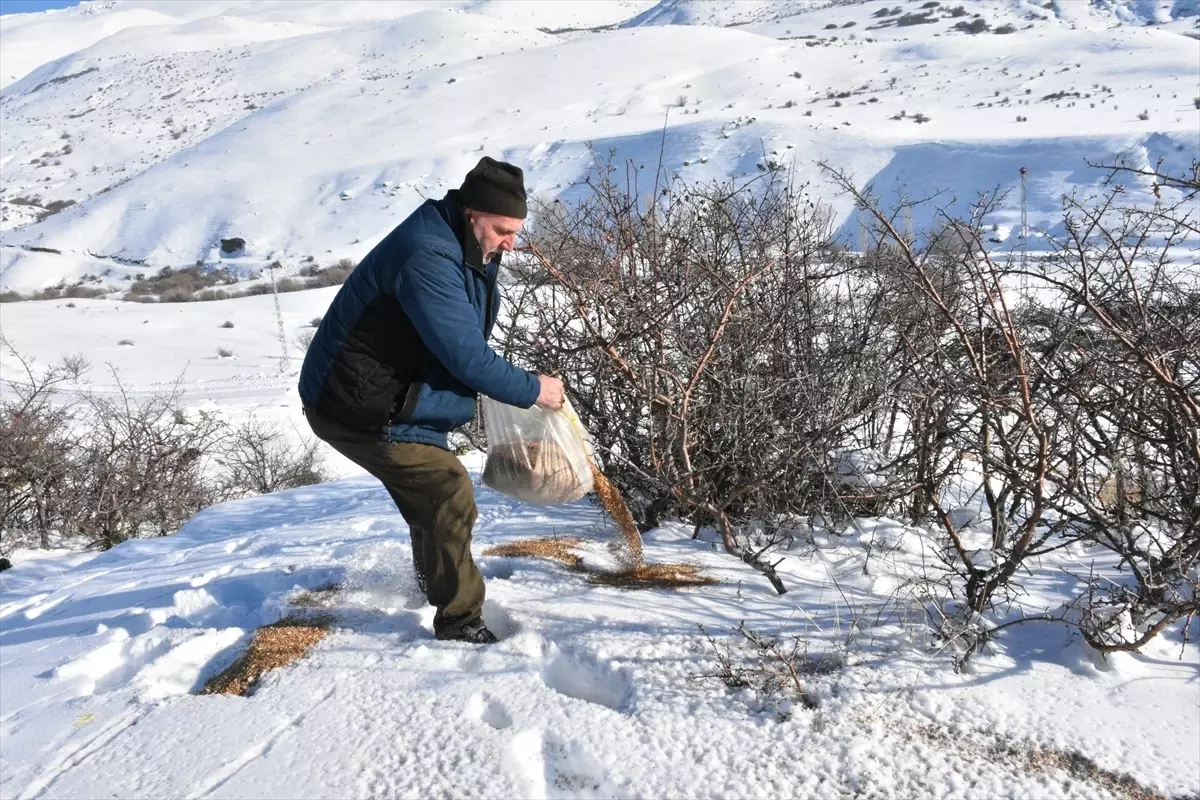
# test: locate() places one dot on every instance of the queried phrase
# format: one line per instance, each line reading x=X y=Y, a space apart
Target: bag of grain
x=535 y=454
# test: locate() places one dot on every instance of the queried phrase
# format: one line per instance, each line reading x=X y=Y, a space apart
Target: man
x=398 y=361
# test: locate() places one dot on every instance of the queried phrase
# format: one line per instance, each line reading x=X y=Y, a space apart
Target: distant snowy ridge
x=310 y=128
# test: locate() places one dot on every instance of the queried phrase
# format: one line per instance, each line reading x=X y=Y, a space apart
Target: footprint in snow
x=489 y=711
x=548 y=766
x=583 y=676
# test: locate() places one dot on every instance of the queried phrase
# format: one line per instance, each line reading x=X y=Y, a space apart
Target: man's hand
x=551 y=395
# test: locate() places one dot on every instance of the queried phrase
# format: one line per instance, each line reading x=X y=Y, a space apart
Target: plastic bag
x=535 y=454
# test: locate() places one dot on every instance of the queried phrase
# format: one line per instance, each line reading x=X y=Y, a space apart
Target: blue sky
x=22 y=6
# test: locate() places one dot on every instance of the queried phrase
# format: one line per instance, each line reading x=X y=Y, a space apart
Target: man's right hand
x=551 y=395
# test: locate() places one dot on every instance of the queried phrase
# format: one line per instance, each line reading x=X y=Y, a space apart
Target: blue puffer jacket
x=403 y=350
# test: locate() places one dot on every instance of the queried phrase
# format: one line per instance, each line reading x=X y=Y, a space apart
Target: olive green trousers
x=437 y=499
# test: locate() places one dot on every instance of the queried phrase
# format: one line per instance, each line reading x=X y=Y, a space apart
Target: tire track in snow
x=255 y=751
x=64 y=764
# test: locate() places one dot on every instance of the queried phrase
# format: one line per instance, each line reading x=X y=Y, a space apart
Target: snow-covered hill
x=310 y=128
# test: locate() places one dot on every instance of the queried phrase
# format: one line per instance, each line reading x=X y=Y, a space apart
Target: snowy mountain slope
x=592 y=692
x=725 y=12
x=30 y=40
x=310 y=128
x=746 y=12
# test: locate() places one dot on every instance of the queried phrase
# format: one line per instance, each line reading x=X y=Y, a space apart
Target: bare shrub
x=75 y=365
x=971 y=405
x=224 y=352
x=84 y=291
x=1074 y=410
x=35 y=451
x=706 y=340
x=125 y=343
x=110 y=467
x=227 y=324
x=916 y=18
x=176 y=296
x=1130 y=412
x=333 y=275
x=254 y=291
x=304 y=340
x=139 y=471
x=778 y=671
x=975 y=26
x=737 y=369
x=256 y=457
x=179 y=285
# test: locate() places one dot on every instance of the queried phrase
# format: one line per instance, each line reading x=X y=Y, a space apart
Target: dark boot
x=473 y=632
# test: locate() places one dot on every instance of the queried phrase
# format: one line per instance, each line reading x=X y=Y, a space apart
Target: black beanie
x=495 y=187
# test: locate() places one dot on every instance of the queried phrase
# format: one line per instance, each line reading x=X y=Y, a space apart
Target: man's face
x=495 y=234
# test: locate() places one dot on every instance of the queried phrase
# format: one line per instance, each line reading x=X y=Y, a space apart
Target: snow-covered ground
x=592 y=692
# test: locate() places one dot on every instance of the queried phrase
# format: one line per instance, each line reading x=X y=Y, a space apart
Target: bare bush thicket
x=256 y=459
x=713 y=346
x=304 y=340
x=111 y=466
x=738 y=369
x=1132 y=424
x=1076 y=402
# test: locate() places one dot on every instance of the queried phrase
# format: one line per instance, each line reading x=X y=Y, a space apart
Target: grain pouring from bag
x=614 y=504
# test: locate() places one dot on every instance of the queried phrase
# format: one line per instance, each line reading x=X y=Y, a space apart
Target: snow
x=593 y=691
x=310 y=128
